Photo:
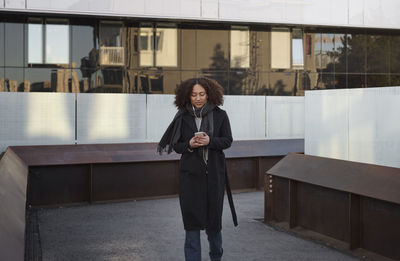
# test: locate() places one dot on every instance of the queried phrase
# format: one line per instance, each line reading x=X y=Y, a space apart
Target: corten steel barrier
x=13 y=183
x=355 y=203
x=76 y=174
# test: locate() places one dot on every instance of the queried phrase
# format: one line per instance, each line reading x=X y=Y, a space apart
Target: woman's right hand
x=193 y=143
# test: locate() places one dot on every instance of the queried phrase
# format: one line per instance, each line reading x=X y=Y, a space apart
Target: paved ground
x=152 y=230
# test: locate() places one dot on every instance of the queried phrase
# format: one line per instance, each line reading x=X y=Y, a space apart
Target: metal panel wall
x=284 y=117
x=247 y=120
x=14 y=4
x=160 y=112
x=36 y=119
x=111 y=118
x=354 y=124
x=326 y=124
x=373 y=128
x=50 y=118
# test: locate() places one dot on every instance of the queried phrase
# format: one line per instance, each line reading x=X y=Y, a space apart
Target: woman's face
x=198 y=96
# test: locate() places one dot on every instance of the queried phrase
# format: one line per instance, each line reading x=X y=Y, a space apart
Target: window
x=287 y=50
x=240 y=47
x=158 y=46
x=280 y=48
x=111 y=49
x=297 y=49
x=48 y=42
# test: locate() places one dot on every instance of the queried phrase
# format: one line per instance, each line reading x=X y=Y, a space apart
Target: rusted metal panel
x=355 y=221
x=324 y=193
x=381 y=227
x=323 y=210
x=141 y=152
x=134 y=180
x=90 y=153
x=280 y=198
x=58 y=185
x=292 y=203
x=13 y=186
x=242 y=173
x=268 y=200
x=358 y=178
x=265 y=163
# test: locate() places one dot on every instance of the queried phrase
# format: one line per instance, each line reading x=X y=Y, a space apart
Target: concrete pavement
x=153 y=230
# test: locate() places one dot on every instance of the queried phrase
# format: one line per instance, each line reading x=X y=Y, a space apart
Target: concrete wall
x=354 y=13
x=65 y=118
x=354 y=124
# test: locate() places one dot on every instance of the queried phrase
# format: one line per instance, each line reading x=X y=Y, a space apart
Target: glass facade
x=45 y=54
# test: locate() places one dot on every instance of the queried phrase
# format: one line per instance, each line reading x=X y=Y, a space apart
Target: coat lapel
x=189 y=120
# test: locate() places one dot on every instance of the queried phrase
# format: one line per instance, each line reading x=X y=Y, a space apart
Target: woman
x=202 y=168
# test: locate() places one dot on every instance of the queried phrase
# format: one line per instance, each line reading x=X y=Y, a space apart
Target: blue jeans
x=193 y=246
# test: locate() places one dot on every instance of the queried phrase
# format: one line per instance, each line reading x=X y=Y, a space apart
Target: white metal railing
x=113 y=56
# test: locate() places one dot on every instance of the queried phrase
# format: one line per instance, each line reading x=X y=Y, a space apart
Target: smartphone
x=200 y=134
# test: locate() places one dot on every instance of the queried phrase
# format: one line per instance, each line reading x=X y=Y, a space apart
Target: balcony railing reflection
x=112 y=56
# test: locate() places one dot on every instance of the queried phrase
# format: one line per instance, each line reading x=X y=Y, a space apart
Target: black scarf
x=173 y=132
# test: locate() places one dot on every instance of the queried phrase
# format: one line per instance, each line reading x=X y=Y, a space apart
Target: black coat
x=201 y=186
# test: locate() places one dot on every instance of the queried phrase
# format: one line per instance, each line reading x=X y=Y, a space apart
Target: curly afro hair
x=214 y=91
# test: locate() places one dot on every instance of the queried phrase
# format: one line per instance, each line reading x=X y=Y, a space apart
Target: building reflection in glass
x=280 y=48
x=240 y=47
x=129 y=56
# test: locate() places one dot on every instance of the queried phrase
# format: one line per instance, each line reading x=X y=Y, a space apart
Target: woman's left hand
x=204 y=141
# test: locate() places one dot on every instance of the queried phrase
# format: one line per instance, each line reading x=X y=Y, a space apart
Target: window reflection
x=340 y=53
x=109 y=81
x=189 y=74
x=395 y=80
x=166 y=47
x=248 y=83
x=340 y=81
x=111 y=50
x=14 y=80
x=80 y=83
x=14 y=44
x=328 y=54
x=356 y=53
x=35 y=43
x=377 y=53
x=89 y=56
x=240 y=48
x=314 y=80
x=146 y=46
x=287 y=83
x=155 y=82
x=280 y=49
x=188 y=49
x=297 y=49
x=356 y=81
x=2 y=80
x=2 y=44
x=221 y=77
x=83 y=49
x=312 y=59
x=55 y=48
x=259 y=50
x=212 y=47
x=377 y=80
x=395 y=54
x=48 y=80
x=57 y=44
